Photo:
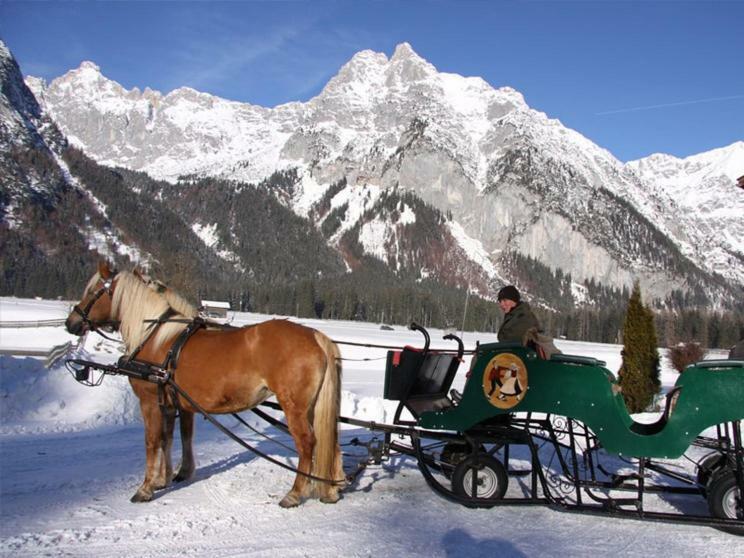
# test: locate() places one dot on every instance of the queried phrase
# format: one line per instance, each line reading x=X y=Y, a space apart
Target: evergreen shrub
x=639 y=375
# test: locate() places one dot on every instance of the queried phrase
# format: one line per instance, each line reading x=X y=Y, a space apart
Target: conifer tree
x=639 y=375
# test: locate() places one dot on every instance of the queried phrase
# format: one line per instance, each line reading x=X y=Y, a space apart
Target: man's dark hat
x=509 y=292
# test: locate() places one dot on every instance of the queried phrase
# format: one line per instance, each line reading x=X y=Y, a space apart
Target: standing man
x=518 y=316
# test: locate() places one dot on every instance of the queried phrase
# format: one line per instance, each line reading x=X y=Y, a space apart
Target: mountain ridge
x=474 y=152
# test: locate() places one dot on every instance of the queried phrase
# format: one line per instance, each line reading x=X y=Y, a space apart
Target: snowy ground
x=72 y=456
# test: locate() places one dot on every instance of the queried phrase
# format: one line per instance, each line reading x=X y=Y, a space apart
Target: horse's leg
x=165 y=469
x=302 y=433
x=153 y=420
x=187 y=467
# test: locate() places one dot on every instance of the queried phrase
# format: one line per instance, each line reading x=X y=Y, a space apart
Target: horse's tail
x=327 y=460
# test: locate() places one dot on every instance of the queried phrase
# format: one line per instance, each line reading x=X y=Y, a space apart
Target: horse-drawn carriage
x=566 y=422
x=556 y=430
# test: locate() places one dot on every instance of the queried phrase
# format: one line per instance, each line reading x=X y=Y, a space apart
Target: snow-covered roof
x=215 y=304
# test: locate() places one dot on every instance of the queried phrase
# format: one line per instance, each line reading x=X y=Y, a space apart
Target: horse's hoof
x=183 y=476
x=330 y=498
x=140 y=497
x=290 y=501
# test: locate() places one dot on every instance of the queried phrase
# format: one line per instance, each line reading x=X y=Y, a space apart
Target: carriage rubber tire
x=454 y=453
x=722 y=499
x=492 y=478
x=708 y=468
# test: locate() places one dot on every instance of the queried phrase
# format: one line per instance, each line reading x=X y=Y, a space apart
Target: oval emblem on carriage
x=505 y=380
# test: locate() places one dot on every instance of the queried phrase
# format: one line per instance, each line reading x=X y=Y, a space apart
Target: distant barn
x=215 y=309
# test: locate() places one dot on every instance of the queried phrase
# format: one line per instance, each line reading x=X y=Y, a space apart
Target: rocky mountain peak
x=407 y=67
x=88 y=66
x=19 y=108
x=4 y=51
x=87 y=73
x=506 y=174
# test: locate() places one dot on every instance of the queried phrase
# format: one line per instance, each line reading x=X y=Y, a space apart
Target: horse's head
x=94 y=311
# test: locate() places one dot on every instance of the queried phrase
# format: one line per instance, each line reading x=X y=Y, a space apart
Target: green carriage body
x=706 y=394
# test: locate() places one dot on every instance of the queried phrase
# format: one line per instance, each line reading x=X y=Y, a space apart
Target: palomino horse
x=223 y=371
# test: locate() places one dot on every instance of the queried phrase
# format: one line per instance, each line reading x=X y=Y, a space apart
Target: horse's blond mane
x=91 y=284
x=178 y=302
x=134 y=302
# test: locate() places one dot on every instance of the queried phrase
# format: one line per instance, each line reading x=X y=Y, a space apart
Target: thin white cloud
x=295 y=57
x=220 y=49
x=206 y=63
x=665 y=105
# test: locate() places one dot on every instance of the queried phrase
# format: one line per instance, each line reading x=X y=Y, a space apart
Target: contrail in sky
x=649 y=107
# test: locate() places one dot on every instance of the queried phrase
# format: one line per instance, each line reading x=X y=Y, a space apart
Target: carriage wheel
x=708 y=468
x=724 y=500
x=481 y=479
x=452 y=454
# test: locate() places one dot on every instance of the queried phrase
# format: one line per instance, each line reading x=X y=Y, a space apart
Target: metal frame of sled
x=571 y=417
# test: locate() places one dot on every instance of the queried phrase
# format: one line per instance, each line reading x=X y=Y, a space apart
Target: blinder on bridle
x=106 y=288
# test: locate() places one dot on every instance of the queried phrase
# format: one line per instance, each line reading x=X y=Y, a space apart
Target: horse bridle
x=106 y=288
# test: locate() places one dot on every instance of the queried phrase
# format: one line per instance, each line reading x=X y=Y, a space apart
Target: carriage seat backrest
x=674 y=394
x=435 y=375
x=648 y=429
x=429 y=389
x=419 y=379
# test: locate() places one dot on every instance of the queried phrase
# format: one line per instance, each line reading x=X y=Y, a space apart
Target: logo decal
x=505 y=380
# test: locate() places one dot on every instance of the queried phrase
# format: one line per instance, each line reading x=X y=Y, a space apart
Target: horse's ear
x=104 y=270
x=140 y=274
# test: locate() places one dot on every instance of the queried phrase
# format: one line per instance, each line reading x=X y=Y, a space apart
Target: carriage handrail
x=400 y=347
x=415 y=327
x=460 y=344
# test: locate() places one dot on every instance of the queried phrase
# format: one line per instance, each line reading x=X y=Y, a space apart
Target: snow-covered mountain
x=42 y=205
x=711 y=206
x=23 y=128
x=507 y=177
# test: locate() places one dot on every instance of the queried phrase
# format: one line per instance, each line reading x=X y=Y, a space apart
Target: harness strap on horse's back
x=152 y=328
x=170 y=362
x=167 y=396
x=174 y=353
x=169 y=391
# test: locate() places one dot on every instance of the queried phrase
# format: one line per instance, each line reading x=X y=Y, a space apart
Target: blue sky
x=634 y=77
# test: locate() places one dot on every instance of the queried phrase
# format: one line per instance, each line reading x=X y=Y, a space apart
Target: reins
x=170 y=393
x=80 y=370
x=163 y=320
x=163 y=375
x=230 y=434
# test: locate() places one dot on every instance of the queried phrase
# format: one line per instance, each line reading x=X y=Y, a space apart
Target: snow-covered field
x=71 y=457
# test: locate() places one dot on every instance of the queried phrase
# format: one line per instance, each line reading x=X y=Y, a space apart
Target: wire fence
x=51 y=356
x=38 y=323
